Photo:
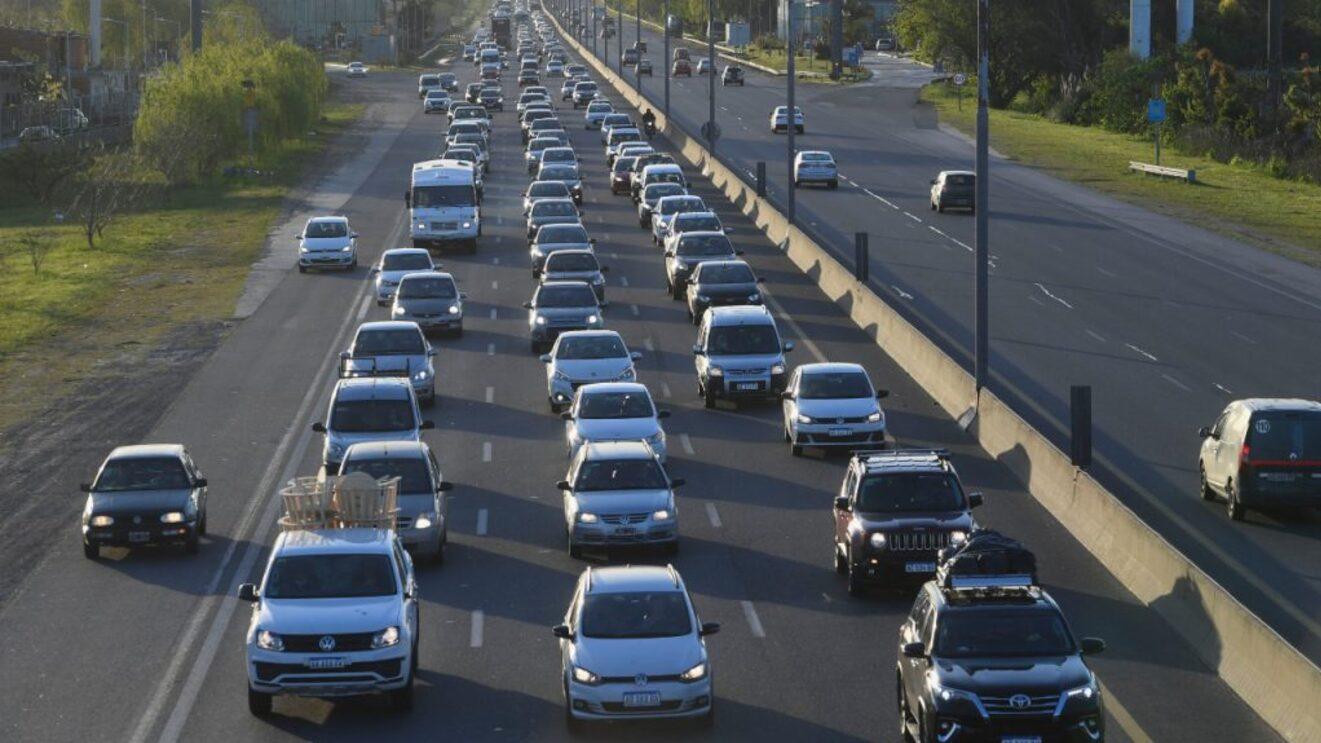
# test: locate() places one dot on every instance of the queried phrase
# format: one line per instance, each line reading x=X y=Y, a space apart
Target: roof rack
x=884 y=455
x=987 y=564
x=355 y=500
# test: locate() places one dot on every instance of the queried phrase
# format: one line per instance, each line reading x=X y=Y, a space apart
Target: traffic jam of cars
x=334 y=612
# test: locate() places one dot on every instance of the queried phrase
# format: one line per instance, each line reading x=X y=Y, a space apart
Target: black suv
x=894 y=512
x=991 y=658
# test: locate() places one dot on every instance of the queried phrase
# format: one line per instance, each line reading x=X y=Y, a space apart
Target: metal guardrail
x=1163 y=172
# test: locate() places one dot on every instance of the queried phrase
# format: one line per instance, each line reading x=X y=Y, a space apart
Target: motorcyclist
x=649 y=122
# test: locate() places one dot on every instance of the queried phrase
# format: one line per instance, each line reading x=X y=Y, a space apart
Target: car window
x=908 y=492
x=954 y=180
x=554 y=234
x=834 y=386
x=380 y=342
x=603 y=405
x=743 y=339
x=591 y=347
x=326 y=229
x=701 y=223
x=548 y=208
x=620 y=474
x=428 y=287
x=1285 y=436
x=688 y=204
x=327 y=576
x=699 y=245
x=565 y=296
x=412 y=472
x=405 y=262
x=362 y=416
x=437 y=197
x=558 y=173
x=1002 y=633
x=142 y=473
x=636 y=615
x=561 y=261
x=714 y=273
x=549 y=189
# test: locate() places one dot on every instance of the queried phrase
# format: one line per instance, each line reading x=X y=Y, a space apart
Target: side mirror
x=591 y=241
x=841 y=503
x=527 y=305
x=353 y=235
x=677 y=482
x=787 y=395
x=604 y=303
x=1204 y=432
x=669 y=254
x=562 y=631
x=709 y=628
x=200 y=482
x=564 y=485
x=976 y=499
x=345 y=355
x=882 y=394
x=374 y=270
x=248 y=592
x=662 y=414
x=1092 y=645
x=445 y=486
x=545 y=358
x=761 y=280
x=85 y=487
x=319 y=427
x=431 y=351
x=567 y=416
x=605 y=269
x=788 y=346
x=915 y=650
x=635 y=355
x=729 y=230
x=426 y=425
x=738 y=252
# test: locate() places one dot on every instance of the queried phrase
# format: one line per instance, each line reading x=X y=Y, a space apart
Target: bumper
x=365 y=672
x=1284 y=498
x=613 y=535
x=549 y=333
x=766 y=387
x=439 y=322
x=444 y=237
x=902 y=567
x=327 y=258
x=606 y=701
x=137 y=535
x=817 y=176
x=386 y=293
x=847 y=435
x=421 y=541
x=1050 y=731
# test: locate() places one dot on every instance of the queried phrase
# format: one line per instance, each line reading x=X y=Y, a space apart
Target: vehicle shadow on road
x=169 y=567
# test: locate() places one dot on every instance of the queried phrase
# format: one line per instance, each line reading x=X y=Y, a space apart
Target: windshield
x=413 y=474
x=816 y=157
x=624 y=136
x=571 y=262
x=541 y=143
x=704 y=245
x=142 y=473
x=406 y=262
x=386 y=342
x=910 y=492
x=329 y=576
x=363 y=416
x=660 y=190
x=620 y=474
x=427 y=288
x=960 y=182
x=616 y=120
x=834 y=385
x=548 y=208
x=743 y=339
x=635 y=615
x=664 y=178
x=591 y=347
x=565 y=296
x=437 y=197
x=1285 y=437
x=674 y=206
x=433 y=95
x=465 y=153
x=558 y=155
x=615 y=405
x=1002 y=633
x=712 y=273
x=599 y=107
x=548 y=189
x=326 y=229
x=558 y=234
x=624 y=164
x=702 y=223
x=558 y=173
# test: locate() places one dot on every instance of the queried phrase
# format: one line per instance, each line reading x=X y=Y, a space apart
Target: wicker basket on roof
x=356 y=500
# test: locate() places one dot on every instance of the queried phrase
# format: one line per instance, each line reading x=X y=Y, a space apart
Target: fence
x=81 y=113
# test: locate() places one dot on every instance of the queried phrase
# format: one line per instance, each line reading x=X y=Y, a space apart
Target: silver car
x=561 y=306
x=394 y=264
x=545 y=212
x=538 y=190
x=833 y=406
x=596 y=112
x=617 y=493
x=614 y=411
x=585 y=357
x=653 y=193
x=423 y=518
x=535 y=146
x=391 y=348
x=575 y=264
x=432 y=300
x=327 y=242
x=555 y=237
x=668 y=206
x=377 y=409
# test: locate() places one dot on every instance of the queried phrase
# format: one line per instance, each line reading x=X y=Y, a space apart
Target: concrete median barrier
x=1270 y=675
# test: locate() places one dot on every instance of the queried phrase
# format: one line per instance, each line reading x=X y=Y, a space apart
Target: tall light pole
x=713 y=133
x=981 y=350
x=665 y=61
x=789 y=112
x=637 y=68
x=195 y=22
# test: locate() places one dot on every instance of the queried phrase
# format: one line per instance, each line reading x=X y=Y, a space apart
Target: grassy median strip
x=70 y=311
x=1240 y=201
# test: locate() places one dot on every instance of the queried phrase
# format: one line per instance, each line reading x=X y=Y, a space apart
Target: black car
x=720 y=283
x=896 y=511
x=733 y=75
x=492 y=99
x=986 y=655
x=472 y=93
x=148 y=494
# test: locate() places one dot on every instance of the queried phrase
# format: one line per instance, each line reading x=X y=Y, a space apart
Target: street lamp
x=665 y=60
x=789 y=117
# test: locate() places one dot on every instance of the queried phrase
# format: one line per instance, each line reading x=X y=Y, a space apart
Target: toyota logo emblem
x=640 y=679
x=137 y=519
x=839 y=420
x=1020 y=701
x=327 y=643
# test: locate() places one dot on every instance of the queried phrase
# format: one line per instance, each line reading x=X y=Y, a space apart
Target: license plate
x=642 y=699
x=920 y=567
x=139 y=536
x=748 y=385
x=840 y=432
x=324 y=663
x=625 y=530
x=1020 y=739
x=1279 y=476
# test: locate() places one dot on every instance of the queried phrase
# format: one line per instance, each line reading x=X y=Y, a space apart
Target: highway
x=1165 y=320
x=148 y=646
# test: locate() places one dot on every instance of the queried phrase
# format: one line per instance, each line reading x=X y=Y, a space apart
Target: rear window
x=704 y=245
x=1285 y=436
x=561 y=261
x=959 y=181
x=414 y=477
x=406 y=262
x=562 y=233
x=711 y=273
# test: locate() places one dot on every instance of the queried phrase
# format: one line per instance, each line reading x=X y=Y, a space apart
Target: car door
x=404 y=564
x=1211 y=447
x=844 y=516
x=912 y=674
x=442 y=500
x=790 y=404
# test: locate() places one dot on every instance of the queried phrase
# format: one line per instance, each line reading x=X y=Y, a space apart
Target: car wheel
x=402 y=699
x=201 y=524
x=91 y=550
x=834 y=184
x=431 y=399
x=439 y=557
x=708 y=399
x=854 y=578
x=708 y=720
x=302 y=268
x=554 y=407
x=573 y=724
x=799 y=129
x=901 y=707
x=797 y=183
x=536 y=347
x=677 y=292
x=841 y=562
x=575 y=551
x=458 y=332
x=191 y=545
x=932 y=204
x=796 y=449
x=259 y=703
x=1233 y=506
x=1205 y=487
x=353 y=266
x=940 y=208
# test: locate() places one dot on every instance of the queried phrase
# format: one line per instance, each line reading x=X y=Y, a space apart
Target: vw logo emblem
x=326 y=643
x=137 y=519
x=1020 y=701
x=640 y=679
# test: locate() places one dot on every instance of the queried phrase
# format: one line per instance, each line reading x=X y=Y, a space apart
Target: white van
x=442 y=204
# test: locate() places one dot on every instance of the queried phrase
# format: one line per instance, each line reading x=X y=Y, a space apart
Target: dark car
x=954 y=189
x=472 y=93
x=732 y=75
x=720 y=283
x=629 y=57
x=528 y=78
x=644 y=66
x=988 y=656
x=449 y=81
x=1263 y=453
x=896 y=511
x=621 y=174
x=689 y=251
x=148 y=494
x=492 y=99
x=682 y=68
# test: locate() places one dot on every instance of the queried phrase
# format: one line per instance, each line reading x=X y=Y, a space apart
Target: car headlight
x=804 y=418
x=777 y=369
x=876 y=417
x=102 y=520
x=541 y=319
x=267 y=640
x=627 y=375
x=422 y=375
x=303 y=248
x=388 y=637
x=656 y=439
x=467 y=225
x=454 y=309
x=754 y=297
x=703 y=298
x=584 y=676
x=346 y=249
x=947 y=694
x=172 y=517
x=877 y=541
x=421 y=225
x=696 y=673
x=593 y=319
x=398 y=310
x=681 y=264
x=662 y=515
x=598 y=279
x=1086 y=692
x=335 y=448
x=424 y=521
x=715 y=371
x=958 y=537
x=587 y=518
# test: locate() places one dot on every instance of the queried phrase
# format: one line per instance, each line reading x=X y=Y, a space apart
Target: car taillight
x=1244 y=454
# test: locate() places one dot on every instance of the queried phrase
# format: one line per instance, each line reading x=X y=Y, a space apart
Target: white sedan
x=815 y=166
x=357 y=69
x=780 y=119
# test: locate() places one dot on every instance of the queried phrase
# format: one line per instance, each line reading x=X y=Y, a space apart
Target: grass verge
x=1239 y=201
x=175 y=265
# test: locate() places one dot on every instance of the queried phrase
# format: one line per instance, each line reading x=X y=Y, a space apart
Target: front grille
x=568 y=322
x=746 y=372
x=624 y=518
x=403 y=522
x=1044 y=704
x=915 y=541
x=356 y=672
x=619 y=708
x=343 y=642
x=444 y=225
x=853 y=438
x=633 y=680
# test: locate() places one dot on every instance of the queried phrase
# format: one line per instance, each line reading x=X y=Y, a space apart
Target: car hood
x=325 y=243
x=329 y=616
x=746 y=361
x=357 y=437
x=728 y=290
x=911 y=520
x=593 y=370
x=422 y=304
x=845 y=408
x=622 y=501
x=414 y=503
x=139 y=501
x=617 y=429
x=1008 y=676
x=653 y=656
x=539 y=221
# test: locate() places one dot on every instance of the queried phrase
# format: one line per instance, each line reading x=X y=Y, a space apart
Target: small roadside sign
x=851 y=56
x=1156 y=110
x=960 y=78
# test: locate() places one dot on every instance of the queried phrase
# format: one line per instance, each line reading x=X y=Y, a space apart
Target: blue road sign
x=851 y=56
x=1155 y=110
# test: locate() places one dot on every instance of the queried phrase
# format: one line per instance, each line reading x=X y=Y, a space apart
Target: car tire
x=677 y=292
x=708 y=720
x=192 y=544
x=797 y=183
x=91 y=550
x=571 y=723
x=201 y=524
x=834 y=184
x=901 y=708
x=536 y=347
x=940 y=208
x=708 y=399
x=1233 y=506
x=841 y=562
x=401 y=700
x=796 y=449
x=575 y=551
x=855 y=584
x=260 y=703
x=302 y=268
x=439 y=557
x=1205 y=487
x=799 y=129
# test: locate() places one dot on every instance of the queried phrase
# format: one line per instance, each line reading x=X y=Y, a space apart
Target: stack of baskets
x=349 y=501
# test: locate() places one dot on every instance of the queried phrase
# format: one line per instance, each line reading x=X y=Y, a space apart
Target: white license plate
x=325 y=663
x=840 y=432
x=1279 y=476
x=920 y=567
x=139 y=536
x=748 y=385
x=1020 y=739
x=626 y=530
x=642 y=699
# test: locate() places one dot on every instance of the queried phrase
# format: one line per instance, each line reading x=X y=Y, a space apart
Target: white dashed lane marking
x=687 y=444
x=713 y=514
x=486 y=451
x=754 y=622
x=1141 y=352
x=478 y=619
x=490 y=395
x=483 y=516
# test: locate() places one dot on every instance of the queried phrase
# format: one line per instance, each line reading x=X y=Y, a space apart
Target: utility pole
x=146 y=60
x=195 y=22
x=983 y=252
x=836 y=39
x=637 y=68
x=665 y=61
x=789 y=113
x=713 y=133
x=1274 y=52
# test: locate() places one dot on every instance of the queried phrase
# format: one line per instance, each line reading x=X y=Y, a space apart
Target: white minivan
x=442 y=205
